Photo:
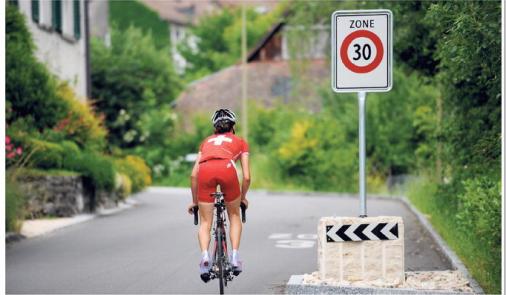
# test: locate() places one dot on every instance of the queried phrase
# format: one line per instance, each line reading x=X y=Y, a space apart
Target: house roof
x=269 y=83
x=252 y=55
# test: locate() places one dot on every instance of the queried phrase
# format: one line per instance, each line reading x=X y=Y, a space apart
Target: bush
x=123 y=185
x=14 y=206
x=30 y=89
x=319 y=156
x=67 y=155
x=99 y=168
x=81 y=124
x=479 y=211
x=46 y=155
x=136 y=169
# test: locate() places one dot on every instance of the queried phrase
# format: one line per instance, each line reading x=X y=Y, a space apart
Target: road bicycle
x=221 y=267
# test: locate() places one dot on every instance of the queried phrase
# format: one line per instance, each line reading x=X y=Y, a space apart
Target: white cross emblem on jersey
x=220 y=139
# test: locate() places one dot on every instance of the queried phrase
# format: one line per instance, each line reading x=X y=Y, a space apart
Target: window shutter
x=77 y=20
x=57 y=17
x=35 y=11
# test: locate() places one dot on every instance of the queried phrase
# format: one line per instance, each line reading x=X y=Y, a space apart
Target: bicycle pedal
x=236 y=271
x=206 y=277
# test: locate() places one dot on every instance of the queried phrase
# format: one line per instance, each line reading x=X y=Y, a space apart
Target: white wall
x=64 y=56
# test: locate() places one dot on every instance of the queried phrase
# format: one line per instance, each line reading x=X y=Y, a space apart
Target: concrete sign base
x=361 y=249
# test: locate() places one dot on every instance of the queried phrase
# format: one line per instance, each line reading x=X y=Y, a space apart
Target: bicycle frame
x=221 y=267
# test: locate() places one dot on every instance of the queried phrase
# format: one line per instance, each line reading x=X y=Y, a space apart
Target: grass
x=483 y=263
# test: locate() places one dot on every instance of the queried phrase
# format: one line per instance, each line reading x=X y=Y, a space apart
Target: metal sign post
x=361 y=153
x=362 y=62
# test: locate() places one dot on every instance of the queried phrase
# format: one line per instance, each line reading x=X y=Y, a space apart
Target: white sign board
x=362 y=50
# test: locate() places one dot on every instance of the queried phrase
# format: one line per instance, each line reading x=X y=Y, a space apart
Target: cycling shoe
x=205 y=265
x=205 y=277
x=236 y=267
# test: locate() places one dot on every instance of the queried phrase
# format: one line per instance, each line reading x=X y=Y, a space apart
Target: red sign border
x=377 y=59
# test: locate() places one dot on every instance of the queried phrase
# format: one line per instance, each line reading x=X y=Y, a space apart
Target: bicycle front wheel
x=221 y=262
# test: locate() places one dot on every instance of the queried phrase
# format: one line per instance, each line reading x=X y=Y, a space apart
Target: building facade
x=58 y=31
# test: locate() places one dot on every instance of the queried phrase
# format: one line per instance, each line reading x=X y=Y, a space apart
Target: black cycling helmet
x=223 y=114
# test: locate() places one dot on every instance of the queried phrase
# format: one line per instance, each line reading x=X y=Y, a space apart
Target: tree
x=30 y=89
x=130 y=79
x=215 y=42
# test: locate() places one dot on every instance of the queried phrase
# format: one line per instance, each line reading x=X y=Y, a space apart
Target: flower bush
x=136 y=169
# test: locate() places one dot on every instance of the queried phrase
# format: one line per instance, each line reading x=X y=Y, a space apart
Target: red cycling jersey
x=222 y=146
x=216 y=166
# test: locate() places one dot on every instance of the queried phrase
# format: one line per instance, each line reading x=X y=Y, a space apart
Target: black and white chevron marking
x=362 y=232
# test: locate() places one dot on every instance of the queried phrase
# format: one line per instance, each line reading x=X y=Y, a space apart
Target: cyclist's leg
x=206 y=222
x=234 y=215
x=206 y=186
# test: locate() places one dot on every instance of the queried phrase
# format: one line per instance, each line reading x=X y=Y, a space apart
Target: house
x=58 y=29
x=275 y=75
x=181 y=15
x=99 y=20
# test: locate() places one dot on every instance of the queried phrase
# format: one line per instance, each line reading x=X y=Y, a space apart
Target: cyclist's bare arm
x=246 y=178
x=195 y=171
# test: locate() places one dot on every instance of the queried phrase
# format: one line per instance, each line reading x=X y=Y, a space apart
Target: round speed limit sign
x=362 y=50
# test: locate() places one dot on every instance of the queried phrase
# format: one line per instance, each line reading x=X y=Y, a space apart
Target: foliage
x=137 y=171
x=14 y=205
x=67 y=155
x=123 y=185
x=319 y=156
x=124 y=14
x=97 y=167
x=30 y=90
x=469 y=58
x=208 y=52
x=128 y=80
x=480 y=253
x=480 y=211
x=81 y=124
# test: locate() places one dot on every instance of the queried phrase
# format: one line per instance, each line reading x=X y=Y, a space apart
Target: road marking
x=295 y=244
x=284 y=240
x=307 y=236
x=280 y=236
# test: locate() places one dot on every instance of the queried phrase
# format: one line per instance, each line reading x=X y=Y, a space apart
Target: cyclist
x=215 y=165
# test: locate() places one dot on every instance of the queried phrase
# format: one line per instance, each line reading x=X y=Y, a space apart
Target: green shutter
x=77 y=20
x=35 y=11
x=57 y=17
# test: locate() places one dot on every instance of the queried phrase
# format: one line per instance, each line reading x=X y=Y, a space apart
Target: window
x=35 y=11
x=77 y=20
x=57 y=15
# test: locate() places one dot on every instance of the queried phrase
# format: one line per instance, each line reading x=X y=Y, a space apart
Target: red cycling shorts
x=217 y=172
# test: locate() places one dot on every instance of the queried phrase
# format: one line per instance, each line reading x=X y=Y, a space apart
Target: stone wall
x=62 y=196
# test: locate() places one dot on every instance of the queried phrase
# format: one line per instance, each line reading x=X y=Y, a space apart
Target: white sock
x=235 y=255
x=205 y=255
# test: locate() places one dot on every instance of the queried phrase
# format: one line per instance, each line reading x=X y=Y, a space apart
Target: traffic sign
x=362 y=232
x=362 y=50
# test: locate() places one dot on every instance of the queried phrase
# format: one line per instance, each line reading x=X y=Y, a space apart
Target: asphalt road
x=152 y=248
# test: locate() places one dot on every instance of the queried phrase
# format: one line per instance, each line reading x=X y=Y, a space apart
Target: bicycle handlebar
x=195 y=210
x=243 y=212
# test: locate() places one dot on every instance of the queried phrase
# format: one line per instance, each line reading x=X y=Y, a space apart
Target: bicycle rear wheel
x=221 y=262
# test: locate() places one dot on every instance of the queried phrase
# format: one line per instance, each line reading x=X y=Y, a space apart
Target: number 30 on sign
x=362 y=50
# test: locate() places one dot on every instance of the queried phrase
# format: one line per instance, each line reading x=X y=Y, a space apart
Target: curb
x=450 y=255
x=11 y=237
x=295 y=286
